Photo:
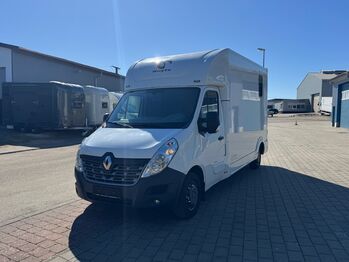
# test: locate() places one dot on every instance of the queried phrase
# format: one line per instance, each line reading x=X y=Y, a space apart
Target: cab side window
x=209 y=112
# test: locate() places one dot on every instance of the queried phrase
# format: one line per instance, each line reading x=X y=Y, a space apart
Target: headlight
x=78 y=162
x=162 y=158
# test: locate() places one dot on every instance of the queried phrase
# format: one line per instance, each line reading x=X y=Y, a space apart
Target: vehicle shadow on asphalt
x=41 y=140
x=251 y=208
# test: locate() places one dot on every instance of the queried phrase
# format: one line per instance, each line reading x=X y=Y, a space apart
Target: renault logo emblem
x=161 y=65
x=107 y=162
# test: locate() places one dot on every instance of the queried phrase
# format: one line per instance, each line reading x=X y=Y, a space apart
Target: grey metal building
x=340 y=102
x=316 y=85
x=18 y=64
x=272 y=102
x=290 y=105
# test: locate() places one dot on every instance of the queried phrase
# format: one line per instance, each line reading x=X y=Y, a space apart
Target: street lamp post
x=262 y=50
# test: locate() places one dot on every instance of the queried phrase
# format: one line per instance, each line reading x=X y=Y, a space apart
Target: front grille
x=124 y=171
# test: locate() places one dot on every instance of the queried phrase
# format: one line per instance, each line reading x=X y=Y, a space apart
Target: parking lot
x=294 y=208
x=35 y=172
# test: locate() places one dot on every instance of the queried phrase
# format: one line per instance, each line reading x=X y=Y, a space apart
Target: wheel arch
x=260 y=146
x=198 y=170
x=200 y=173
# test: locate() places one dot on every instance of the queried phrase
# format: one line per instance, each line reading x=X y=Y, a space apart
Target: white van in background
x=185 y=123
x=97 y=104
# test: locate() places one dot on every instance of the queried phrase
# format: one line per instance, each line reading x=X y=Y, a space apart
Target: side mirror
x=212 y=122
x=105 y=117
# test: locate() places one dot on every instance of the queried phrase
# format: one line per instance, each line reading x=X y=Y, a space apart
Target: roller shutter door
x=344 y=114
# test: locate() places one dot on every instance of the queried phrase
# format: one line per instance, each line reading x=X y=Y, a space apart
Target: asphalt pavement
x=294 y=208
x=36 y=172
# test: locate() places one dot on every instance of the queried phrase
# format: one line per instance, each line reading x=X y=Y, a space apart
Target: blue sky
x=300 y=36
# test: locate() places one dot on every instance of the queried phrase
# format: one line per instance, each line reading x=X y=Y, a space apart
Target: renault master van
x=185 y=123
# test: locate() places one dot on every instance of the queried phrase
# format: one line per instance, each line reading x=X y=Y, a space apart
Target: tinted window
x=210 y=104
x=260 y=85
x=156 y=108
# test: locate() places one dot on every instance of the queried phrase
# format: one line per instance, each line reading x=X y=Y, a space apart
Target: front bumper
x=160 y=189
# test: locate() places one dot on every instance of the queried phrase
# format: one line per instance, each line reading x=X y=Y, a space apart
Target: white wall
x=310 y=85
x=6 y=61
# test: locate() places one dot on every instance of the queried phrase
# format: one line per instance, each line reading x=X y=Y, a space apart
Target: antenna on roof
x=116 y=69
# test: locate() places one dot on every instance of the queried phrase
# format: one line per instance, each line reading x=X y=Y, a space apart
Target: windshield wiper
x=120 y=124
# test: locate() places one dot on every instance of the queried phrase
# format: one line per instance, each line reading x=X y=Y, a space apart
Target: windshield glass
x=155 y=108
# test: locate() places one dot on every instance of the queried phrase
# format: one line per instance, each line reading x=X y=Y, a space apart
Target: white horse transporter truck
x=185 y=123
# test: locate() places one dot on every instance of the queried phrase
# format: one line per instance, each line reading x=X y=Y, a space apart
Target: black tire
x=256 y=163
x=188 y=201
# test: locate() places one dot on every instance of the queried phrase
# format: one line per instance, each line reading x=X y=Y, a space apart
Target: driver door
x=212 y=143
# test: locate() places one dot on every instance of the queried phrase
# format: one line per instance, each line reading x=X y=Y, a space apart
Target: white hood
x=126 y=142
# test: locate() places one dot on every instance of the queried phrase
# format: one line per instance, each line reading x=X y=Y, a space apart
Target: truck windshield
x=155 y=108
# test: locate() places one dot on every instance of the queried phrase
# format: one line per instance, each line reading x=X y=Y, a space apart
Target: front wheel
x=189 y=199
x=256 y=163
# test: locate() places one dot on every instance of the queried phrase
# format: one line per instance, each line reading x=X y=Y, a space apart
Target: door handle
x=220 y=138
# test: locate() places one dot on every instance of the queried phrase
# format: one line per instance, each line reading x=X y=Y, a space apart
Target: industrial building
x=340 y=103
x=315 y=86
x=290 y=105
x=18 y=64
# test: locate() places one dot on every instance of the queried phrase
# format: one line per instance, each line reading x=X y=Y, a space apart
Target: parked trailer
x=185 y=123
x=97 y=105
x=114 y=98
x=52 y=105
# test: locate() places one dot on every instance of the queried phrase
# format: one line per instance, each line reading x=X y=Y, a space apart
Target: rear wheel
x=256 y=163
x=189 y=199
